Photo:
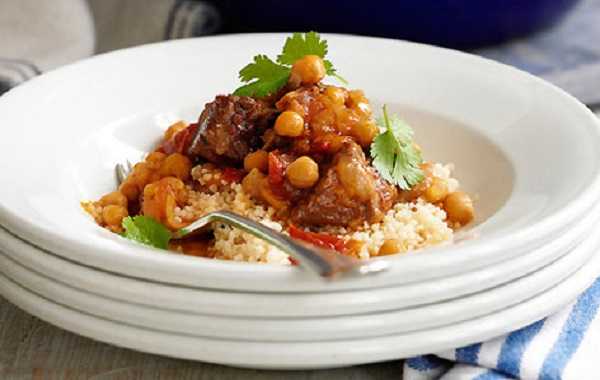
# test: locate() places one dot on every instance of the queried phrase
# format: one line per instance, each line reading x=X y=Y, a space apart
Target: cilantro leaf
x=268 y=77
x=261 y=89
x=298 y=45
x=146 y=230
x=394 y=154
x=262 y=68
x=331 y=71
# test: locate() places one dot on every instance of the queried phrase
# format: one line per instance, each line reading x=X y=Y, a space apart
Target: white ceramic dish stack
x=510 y=135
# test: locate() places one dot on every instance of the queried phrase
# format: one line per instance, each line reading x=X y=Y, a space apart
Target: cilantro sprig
x=264 y=76
x=148 y=231
x=394 y=154
x=268 y=77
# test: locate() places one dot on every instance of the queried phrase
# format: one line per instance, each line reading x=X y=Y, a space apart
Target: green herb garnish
x=394 y=154
x=267 y=77
x=146 y=230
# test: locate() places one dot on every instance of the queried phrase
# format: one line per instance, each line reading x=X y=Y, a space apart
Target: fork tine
x=121 y=173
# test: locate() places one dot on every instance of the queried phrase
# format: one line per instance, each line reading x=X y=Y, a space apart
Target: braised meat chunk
x=229 y=128
x=348 y=194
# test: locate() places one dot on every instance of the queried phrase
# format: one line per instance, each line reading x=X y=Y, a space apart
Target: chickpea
x=113 y=215
x=130 y=190
x=115 y=198
x=154 y=176
x=365 y=133
x=251 y=183
x=389 y=247
x=141 y=175
x=257 y=160
x=155 y=159
x=176 y=165
x=289 y=123
x=303 y=172
x=336 y=94
x=309 y=68
x=437 y=190
x=459 y=208
x=174 y=129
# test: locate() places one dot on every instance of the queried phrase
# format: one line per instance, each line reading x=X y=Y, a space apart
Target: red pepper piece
x=277 y=174
x=233 y=175
x=276 y=169
x=319 y=239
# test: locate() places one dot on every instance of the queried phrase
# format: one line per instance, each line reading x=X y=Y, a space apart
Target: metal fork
x=326 y=263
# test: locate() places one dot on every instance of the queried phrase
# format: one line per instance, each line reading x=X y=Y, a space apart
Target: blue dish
x=452 y=23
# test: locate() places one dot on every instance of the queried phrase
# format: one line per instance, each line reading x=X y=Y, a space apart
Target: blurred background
x=555 y=39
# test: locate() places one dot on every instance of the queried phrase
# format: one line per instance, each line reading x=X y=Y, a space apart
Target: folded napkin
x=563 y=346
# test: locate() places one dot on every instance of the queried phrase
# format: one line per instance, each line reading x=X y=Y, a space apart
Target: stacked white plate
x=528 y=151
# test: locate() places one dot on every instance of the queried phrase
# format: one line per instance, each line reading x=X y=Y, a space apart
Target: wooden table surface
x=33 y=349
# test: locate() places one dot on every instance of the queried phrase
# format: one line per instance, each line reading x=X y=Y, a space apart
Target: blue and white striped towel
x=563 y=346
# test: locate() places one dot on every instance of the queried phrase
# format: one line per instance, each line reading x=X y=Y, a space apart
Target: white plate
x=304 y=355
x=214 y=302
x=69 y=127
x=305 y=329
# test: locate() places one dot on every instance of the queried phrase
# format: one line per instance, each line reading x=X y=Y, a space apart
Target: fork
x=325 y=263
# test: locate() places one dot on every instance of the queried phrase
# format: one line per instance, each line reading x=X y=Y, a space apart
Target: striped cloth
x=563 y=346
